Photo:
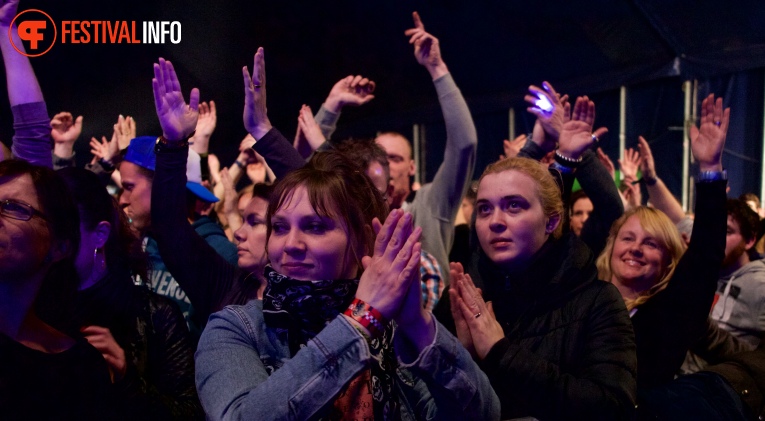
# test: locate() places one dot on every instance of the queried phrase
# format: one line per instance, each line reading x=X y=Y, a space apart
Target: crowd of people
x=148 y=286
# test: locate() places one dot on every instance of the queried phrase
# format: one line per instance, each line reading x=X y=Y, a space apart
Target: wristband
x=366 y=316
x=239 y=164
x=567 y=162
x=163 y=144
x=706 y=176
x=561 y=168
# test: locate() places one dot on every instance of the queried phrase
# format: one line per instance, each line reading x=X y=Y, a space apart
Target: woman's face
x=510 y=222
x=638 y=259
x=24 y=245
x=251 y=236
x=306 y=246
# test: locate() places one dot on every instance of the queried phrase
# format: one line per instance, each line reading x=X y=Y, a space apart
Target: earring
x=99 y=262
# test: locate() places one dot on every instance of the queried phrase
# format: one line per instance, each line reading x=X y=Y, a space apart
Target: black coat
x=569 y=349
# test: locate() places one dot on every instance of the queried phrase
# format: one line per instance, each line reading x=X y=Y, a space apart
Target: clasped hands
x=477 y=327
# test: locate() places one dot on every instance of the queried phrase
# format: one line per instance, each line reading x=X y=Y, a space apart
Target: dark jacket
x=670 y=322
x=159 y=383
x=569 y=350
x=209 y=281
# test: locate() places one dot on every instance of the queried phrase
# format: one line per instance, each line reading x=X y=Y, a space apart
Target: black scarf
x=300 y=309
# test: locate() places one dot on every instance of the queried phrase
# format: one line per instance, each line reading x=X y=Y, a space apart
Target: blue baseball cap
x=140 y=151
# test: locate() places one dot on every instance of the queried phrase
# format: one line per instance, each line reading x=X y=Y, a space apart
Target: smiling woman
x=321 y=344
x=670 y=290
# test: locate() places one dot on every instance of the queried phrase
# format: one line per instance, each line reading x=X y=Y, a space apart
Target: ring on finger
x=718 y=123
x=477 y=315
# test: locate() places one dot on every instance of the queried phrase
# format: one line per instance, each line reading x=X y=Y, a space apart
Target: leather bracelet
x=567 y=162
x=707 y=176
x=371 y=319
x=239 y=164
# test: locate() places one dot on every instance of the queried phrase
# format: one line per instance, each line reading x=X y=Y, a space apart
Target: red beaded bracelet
x=367 y=316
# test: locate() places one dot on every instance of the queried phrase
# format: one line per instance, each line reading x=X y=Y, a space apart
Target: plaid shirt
x=431 y=280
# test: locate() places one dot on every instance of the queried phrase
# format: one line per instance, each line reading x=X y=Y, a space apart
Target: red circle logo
x=36 y=32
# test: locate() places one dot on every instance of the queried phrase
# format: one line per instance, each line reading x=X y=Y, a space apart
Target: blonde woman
x=667 y=289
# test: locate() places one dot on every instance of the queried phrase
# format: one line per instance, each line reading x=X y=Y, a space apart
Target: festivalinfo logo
x=39 y=32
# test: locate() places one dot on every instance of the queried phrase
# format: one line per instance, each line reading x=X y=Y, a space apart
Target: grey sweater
x=740 y=302
x=435 y=205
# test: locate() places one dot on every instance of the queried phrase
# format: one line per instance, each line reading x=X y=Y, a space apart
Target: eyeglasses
x=18 y=210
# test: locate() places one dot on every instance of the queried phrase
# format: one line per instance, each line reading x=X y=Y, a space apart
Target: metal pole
x=688 y=119
x=416 y=150
x=511 y=124
x=762 y=162
x=622 y=123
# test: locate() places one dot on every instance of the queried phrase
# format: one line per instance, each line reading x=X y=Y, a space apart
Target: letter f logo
x=29 y=31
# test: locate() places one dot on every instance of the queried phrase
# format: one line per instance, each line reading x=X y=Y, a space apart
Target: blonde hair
x=659 y=226
x=547 y=189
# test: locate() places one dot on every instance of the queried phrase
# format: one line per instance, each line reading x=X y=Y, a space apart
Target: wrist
x=710 y=167
x=63 y=150
x=261 y=129
x=420 y=331
x=366 y=316
x=569 y=154
x=177 y=138
x=332 y=105
x=438 y=71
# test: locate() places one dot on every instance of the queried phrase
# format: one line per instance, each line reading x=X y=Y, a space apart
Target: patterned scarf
x=298 y=310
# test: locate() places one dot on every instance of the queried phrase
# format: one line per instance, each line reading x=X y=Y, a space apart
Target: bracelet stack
x=371 y=319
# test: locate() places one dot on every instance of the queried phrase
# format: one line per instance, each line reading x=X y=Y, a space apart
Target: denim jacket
x=244 y=371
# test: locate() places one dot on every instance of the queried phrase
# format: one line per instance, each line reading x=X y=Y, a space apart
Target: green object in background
x=617 y=176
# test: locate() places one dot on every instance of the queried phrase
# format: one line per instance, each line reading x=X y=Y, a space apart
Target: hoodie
x=739 y=305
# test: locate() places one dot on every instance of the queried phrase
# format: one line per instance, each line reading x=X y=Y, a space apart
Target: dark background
x=494 y=49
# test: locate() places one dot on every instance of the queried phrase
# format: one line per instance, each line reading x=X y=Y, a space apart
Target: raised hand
x=394 y=266
x=647 y=165
x=8 y=12
x=102 y=340
x=308 y=137
x=629 y=165
x=426 y=48
x=577 y=135
x=350 y=90
x=606 y=161
x=485 y=330
x=708 y=140
x=255 y=115
x=125 y=131
x=104 y=150
x=65 y=130
x=512 y=149
x=550 y=108
x=208 y=119
x=178 y=120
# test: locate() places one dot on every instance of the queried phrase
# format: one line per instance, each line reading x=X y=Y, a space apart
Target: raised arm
x=31 y=139
x=658 y=193
x=437 y=204
x=203 y=274
x=279 y=153
x=65 y=130
x=348 y=91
